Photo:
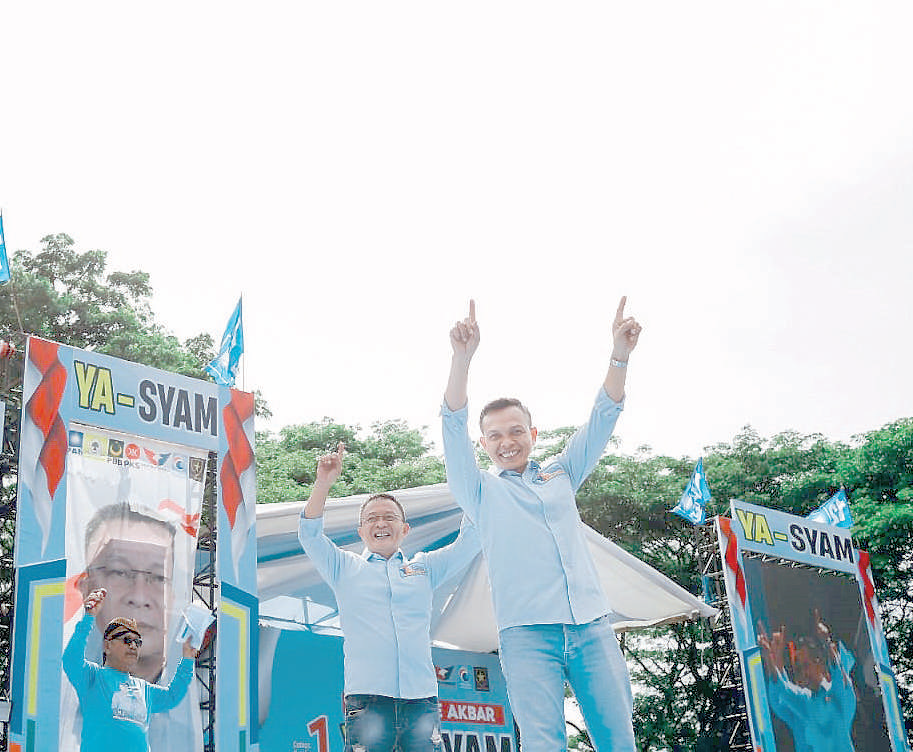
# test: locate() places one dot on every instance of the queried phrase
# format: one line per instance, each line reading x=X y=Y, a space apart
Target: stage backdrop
x=111 y=476
x=808 y=631
x=301 y=683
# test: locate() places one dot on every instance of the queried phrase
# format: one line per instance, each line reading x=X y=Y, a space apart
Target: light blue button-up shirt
x=539 y=564
x=385 y=609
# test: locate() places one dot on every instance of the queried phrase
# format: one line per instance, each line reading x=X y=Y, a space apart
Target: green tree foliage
x=389 y=457
x=878 y=475
x=66 y=296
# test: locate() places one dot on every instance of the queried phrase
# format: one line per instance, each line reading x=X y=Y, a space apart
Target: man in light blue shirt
x=551 y=611
x=384 y=605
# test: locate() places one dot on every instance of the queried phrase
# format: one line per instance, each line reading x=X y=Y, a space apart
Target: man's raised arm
x=625 y=333
x=327 y=558
x=328 y=469
x=464 y=339
x=463 y=475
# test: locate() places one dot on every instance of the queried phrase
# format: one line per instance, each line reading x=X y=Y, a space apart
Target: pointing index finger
x=620 y=313
x=472 y=311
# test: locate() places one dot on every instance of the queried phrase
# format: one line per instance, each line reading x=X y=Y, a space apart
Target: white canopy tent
x=293 y=595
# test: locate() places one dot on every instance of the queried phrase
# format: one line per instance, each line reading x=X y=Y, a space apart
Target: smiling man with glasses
x=116 y=704
x=384 y=602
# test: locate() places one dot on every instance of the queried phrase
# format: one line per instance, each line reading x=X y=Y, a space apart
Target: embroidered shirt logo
x=413 y=568
x=544 y=476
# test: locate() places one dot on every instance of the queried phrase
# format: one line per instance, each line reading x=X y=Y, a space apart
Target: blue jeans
x=375 y=723
x=537 y=659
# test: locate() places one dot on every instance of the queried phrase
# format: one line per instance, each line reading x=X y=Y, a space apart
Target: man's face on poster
x=133 y=561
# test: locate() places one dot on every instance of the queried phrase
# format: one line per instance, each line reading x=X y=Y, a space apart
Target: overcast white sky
x=743 y=172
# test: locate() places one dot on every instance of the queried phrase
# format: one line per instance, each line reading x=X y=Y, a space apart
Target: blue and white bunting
x=692 y=505
x=835 y=511
x=224 y=367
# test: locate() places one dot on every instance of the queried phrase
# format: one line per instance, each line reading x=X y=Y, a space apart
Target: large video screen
x=822 y=685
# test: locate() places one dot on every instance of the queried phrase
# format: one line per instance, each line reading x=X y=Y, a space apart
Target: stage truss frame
x=726 y=670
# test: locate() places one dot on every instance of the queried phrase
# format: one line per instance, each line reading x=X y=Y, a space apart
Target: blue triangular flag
x=835 y=511
x=695 y=496
x=224 y=367
x=4 y=262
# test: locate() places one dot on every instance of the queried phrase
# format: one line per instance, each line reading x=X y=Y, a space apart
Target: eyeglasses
x=372 y=518
x=128 y=640
x=130 y=576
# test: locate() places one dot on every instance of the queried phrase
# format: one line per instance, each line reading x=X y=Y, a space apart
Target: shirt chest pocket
x=412 y=592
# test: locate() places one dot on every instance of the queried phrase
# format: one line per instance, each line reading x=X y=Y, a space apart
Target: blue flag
x=695 y=497
x=4 y=262
x=224 y=367
x=835 y=511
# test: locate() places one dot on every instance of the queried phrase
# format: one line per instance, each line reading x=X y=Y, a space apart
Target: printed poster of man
x=133 y=513
x=819 y=672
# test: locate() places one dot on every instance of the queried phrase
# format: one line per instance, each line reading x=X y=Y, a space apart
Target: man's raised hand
x=330 y=465
x=772 y=648
x=328 y=469
x=625 y=332
x=93 y=601
x=464 y=336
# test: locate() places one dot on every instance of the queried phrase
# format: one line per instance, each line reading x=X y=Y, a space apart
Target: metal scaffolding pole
x=727 y=672
x=206 y=590
x=11 y=367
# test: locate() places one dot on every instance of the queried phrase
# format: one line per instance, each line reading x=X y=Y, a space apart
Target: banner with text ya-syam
x=112 y=472
x=807 y=628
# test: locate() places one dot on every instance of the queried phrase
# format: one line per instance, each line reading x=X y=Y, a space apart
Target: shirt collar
x=371 y=556
x=495 y=470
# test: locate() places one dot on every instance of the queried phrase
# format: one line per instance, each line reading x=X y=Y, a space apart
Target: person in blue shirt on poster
x=815 y=698
x=552 y=613
x=384 y=603
x=116 y=705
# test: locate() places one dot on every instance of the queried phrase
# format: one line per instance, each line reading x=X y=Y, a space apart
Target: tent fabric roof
x=463 y=617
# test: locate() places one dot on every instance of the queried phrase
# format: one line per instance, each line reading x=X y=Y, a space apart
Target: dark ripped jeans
x=375 y=723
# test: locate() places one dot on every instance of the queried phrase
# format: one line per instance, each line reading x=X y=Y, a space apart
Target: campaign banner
x=774 y=533
x=475 y=714
x=814 y=666
x=64 y=385
x=112 y=469
x=133 y=514
x=299 y=714
x=236 y=566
